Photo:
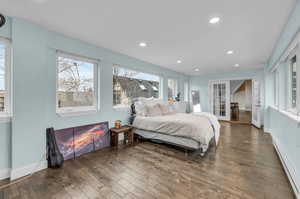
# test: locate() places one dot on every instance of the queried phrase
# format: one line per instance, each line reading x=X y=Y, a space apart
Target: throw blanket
x=214 y=121
x=193 y=126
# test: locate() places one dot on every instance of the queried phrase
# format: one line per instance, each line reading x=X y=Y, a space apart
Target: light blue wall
x=5 y=129
x=5 y=145
x=284 y=130
x=290 y=30
x=202 y=82
x=34 y=81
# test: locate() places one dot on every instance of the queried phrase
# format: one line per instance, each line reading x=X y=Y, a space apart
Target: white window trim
x=83 y=110
x=76 y=111
x=176 y=85
x=288 y=114
x=276 y=87
x=186 y=91
x=125 y=107
x=292 y=50
x=121 y=107
x=7 y=114
x=293 y=53
x=161 y=88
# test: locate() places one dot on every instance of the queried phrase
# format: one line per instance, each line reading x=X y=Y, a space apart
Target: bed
x=192 y=131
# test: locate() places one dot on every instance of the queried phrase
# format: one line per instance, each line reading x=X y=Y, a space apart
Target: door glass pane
x=215 y=100
x=219 y=99
x=222 y=100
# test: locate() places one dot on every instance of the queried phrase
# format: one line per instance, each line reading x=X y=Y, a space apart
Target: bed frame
x=187 y=149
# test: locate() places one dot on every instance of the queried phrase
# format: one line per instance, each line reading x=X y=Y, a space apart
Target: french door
x=220 y=99
x=256 y=104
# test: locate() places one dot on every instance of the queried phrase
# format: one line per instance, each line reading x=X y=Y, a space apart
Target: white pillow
x=142 y=102
x=152 y=101
x=153 y=110
x=179 y=107
x=140 y=108
x=165 y=109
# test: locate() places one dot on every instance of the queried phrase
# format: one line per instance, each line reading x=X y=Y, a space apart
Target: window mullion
x=298 y=80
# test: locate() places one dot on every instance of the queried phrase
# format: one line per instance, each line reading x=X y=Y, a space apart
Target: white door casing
x=256 y=103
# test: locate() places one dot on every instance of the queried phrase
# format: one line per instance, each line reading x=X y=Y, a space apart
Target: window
x=129 y=85
x=293 y=89
x=287 y=80
x=172 y=88
x=5 y=78
x=186 y=91
x=76 y=83
x=293 y=83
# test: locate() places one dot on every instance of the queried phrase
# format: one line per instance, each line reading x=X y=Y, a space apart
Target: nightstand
x=128 y=135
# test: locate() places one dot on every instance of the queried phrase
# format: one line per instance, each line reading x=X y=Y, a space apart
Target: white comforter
x=195 y=126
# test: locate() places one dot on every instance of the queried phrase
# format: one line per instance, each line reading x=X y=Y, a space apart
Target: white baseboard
x=27 y=170
x=4 y=173
x=289 y=168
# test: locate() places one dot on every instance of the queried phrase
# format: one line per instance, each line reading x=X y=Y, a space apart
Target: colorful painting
x=74 y=142
x=83 y=140
x=65 y=142
x=101 y=136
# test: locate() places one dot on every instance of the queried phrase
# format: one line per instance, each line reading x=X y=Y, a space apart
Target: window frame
x=176 y=87
x=276 y=88
x=73 y=111
x=186 y=91
x=6 y=115
x=294 y=53
x=127 y=106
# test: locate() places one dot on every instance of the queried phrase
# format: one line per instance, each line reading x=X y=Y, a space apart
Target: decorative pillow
x=165 y=109
x=152 y=101
x=140 y=108
x=153 y=110
x=141 y=103
x=179 y=107
x=171 y=108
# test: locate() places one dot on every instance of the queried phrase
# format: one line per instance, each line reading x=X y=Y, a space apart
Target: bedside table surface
x=122 y=129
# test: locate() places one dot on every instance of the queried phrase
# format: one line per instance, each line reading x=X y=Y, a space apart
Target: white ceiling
x=173 y=29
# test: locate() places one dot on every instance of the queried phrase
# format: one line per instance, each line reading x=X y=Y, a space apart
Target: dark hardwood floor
x=245 y=166
x=245 y=117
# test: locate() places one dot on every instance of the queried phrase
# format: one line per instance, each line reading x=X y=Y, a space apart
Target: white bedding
x=193 y=126
x=214 y=121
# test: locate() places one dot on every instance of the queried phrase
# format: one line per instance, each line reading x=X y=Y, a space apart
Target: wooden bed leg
x=186 y=152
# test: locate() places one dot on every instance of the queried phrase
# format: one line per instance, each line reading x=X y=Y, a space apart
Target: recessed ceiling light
x=236 y=65
x=179 y=61
x=196 y=69
x=230 y=52
x=142 y=44
x=214 y=20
